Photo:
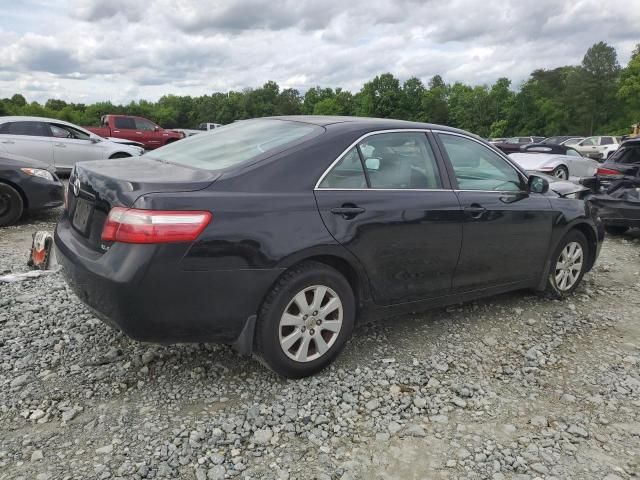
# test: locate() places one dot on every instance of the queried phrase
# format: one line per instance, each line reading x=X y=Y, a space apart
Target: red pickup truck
x=137 y=129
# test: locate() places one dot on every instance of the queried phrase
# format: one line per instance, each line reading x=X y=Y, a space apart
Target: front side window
x=401 y=160
x=347 y=173
x=588 y=142
x=606 y=141
x=125 y=123
x=235 y=143
x=143 y=124
x=513 y=140
x=573 y=153
x=478 y=168
x=572 y=141
x=64 y=131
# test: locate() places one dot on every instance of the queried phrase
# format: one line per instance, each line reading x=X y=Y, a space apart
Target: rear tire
x=11 y=205
x=615 y=229
x=119 y=155
x=568 y=265
x=561 y=172
x=305 y=320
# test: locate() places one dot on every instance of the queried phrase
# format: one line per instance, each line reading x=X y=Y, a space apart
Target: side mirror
x=156 y=128
x=372 y=163
x=94 y=139
x=537 y=184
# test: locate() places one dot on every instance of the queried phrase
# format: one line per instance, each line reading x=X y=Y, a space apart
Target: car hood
x=19 y=161
x=562 y=187
x=533 y=161
x=110 y=144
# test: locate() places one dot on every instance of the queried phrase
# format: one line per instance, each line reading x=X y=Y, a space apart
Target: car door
x=149 y=133
x=388 y=201
x=27 y=138
x=580 y=166
x=71 y=146
x=506 y=229
x=125 y=127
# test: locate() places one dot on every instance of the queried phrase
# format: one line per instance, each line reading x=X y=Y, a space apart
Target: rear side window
x=478 y=168
x=235 y=143
x=606 y=141
x=33 y=129
x=400 y=161
x=125 y=123
x=347 y=173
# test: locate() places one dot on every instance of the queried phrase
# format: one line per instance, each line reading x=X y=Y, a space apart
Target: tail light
x=130 y=225
x=608 y=172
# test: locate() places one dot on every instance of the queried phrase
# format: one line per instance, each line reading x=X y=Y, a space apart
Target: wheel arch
x=119 y=154
x=592 y=239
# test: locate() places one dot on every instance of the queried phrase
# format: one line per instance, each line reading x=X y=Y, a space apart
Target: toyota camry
x=276 y=235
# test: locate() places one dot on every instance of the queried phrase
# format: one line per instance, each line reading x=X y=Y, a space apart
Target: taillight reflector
x=130 y=225
x=608 y=172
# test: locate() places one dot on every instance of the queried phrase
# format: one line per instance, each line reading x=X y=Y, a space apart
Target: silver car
x=565 y=167
x=58 y=143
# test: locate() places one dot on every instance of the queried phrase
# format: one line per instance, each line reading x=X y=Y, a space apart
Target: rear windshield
x=235 y=143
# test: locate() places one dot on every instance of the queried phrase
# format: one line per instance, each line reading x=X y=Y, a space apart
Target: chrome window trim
x=386 y=189
x=369 y=134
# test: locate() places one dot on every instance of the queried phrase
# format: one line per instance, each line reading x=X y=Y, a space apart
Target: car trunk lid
x=97 y=187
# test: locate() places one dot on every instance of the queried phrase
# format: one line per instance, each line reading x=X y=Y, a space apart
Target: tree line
x=596 y=97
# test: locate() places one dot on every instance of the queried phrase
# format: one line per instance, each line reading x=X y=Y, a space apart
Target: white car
x=58 y=143
x=598 y=147
x=571 y=167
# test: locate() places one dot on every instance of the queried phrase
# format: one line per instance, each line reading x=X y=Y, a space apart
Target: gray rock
x=106 y=450
x=19 y=380
x=262 y=436
x=413 y=430
x=578 y=431
x=216 y=472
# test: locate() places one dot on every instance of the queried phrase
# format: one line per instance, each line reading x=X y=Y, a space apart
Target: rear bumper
x=617 y=212
x=144 y=292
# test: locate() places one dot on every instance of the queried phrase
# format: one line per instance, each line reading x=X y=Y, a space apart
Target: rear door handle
x=61 y=145
x=475 y=210
x=8 y=142
x=348 y=212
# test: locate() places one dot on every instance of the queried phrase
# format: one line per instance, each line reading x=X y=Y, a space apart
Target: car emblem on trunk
x=76 y=186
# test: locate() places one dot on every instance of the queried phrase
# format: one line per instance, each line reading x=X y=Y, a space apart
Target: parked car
x=274 y=234
x=618 y=196
x=56 y=142
x=26 y=185
x=138 y=129
x=513 y=144
x=208 y=126
x=599 y=147
x=568 y=140
x=569 y=165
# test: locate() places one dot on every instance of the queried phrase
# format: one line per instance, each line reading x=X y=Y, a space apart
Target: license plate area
x=82 y=215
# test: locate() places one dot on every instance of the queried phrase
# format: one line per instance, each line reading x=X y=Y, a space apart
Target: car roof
x=366 y=122
x=33 y=119
x=632 y=141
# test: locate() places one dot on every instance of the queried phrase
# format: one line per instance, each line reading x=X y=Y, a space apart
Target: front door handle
x=348 y=211
x=8 y=142
x=475 y=210
x=61 y=145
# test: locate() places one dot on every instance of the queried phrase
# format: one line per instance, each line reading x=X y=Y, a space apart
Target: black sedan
x=618 y=195
x=26 y=185
x=275 y=234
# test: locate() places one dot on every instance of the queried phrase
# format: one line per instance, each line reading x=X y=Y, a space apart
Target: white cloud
x=89 y=50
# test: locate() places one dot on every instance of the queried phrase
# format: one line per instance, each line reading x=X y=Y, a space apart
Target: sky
x=122 y=50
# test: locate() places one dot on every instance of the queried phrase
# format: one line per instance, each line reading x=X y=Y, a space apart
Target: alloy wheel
x=569 y=266
x=561 y=174
x=311 y=323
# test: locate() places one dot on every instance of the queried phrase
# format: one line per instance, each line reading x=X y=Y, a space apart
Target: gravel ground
x=510 y=387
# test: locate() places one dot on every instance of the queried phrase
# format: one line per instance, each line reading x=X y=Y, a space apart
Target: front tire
x=561 y=172
x=305 y=320
x=615 y=229
x=568 y=265
x=11 y=205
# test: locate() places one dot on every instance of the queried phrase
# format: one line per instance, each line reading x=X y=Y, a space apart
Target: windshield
x=553 y=140
x=233 y=144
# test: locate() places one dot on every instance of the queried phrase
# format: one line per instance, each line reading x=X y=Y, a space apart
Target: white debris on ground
x=513 y=387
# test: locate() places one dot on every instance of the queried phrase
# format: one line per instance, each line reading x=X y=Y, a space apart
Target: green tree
x=380 y=98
